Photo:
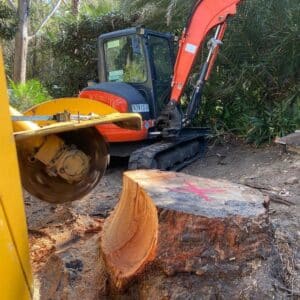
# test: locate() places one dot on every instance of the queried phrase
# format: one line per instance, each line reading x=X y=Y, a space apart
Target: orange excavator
x=139 y=78
x=137 y=74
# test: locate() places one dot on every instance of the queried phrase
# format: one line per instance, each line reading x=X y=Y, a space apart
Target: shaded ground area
x=275 y=171
x=69 y=233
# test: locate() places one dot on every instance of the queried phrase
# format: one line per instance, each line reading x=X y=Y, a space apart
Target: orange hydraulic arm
x=206 y=15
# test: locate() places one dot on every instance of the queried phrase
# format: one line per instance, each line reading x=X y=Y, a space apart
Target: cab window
x=161 y=57
x=125 y=60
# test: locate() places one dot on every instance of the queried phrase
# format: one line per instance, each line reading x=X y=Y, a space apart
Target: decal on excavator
x=191 y=48
x=139 y=108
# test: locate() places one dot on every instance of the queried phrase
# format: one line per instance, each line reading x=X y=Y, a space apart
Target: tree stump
x=172 y=223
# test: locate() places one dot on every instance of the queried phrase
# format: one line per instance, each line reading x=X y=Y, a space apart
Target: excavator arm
x=205 y=16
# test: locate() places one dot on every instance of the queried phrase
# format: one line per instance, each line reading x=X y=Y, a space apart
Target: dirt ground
x=57 y=232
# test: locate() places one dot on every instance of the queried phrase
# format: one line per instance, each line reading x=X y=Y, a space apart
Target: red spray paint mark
x=202 y=192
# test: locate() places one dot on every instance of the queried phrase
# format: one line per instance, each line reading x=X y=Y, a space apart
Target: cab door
x=162 y=61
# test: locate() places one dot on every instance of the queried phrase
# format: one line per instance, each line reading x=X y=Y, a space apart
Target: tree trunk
x=22 y=38
x=171 y=223
x=75 y=7
x=21 y=42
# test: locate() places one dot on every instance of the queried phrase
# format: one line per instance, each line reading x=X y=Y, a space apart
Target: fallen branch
x=259 y=186
x=270 y=192
x=291 y=292
x=279 y=199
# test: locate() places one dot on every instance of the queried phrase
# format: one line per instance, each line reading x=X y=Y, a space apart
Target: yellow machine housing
x=15 y=273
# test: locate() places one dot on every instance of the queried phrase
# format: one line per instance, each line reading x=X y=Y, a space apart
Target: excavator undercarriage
x=173 y=153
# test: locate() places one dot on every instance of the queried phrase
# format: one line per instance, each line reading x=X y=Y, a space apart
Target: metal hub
x=77 y=177
x=72 y=165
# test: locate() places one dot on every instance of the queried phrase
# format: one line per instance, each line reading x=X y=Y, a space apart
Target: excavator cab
x=142 y=58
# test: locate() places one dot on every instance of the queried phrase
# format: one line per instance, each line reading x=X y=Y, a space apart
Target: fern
x=25 y=95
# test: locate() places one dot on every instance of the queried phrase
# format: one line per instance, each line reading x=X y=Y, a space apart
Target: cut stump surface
x=176 y=223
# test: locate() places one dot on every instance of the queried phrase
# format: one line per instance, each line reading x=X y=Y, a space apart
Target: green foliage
x=8 y=22
x=26 y=95
x=75 y=52
x=160 y=15
x=279 y=120
x=95 y=9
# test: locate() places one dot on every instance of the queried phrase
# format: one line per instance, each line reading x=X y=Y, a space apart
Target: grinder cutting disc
x=55 y=189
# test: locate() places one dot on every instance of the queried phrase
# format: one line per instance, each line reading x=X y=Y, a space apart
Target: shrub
x=26 y=95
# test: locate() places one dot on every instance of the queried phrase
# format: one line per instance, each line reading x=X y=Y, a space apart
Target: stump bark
x=171 y=223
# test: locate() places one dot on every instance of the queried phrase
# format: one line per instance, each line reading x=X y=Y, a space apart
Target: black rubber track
x=172 y=155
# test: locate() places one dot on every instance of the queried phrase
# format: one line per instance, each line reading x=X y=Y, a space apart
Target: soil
x=64 y=238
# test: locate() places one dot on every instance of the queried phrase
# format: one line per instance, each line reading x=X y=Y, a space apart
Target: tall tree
x=23 y=38
x=21 y=42
x=75 y=7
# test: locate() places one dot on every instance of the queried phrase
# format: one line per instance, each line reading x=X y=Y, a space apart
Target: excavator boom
x=206 y=15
